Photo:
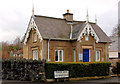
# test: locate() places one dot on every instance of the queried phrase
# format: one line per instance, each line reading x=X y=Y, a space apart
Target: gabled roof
x=100 y=33
x=77 y=28
x=59 y=29
x=50 y=27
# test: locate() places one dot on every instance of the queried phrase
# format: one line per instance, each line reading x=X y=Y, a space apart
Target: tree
x=11 y=47
x=5 y=50
x=14 y=47
x=119 y=30
x=17 y=43
x=115 y=31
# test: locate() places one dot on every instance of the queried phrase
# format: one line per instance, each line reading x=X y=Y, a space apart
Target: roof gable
x=32 y=26
x=86 y=30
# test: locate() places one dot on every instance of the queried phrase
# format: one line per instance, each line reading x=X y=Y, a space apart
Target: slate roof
x=52 y=27
x=100 y=33
x=77 y=28
x=57 y=28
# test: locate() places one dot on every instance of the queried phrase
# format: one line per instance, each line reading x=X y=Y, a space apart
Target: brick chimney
x=68 y=16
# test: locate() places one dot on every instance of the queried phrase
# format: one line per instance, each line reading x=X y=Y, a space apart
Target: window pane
x=97 y=55
x=35 y=37
x=35 y=54
x=86 y=37
x=56 y=55
x=60 y=55
x=74 y=56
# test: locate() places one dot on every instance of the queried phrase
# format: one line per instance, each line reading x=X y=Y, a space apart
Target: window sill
x=34 y=41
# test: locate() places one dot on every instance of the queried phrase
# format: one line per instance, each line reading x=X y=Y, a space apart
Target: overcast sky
x=15 y=14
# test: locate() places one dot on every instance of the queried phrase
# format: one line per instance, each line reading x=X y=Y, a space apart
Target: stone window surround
x=97 y=55
x=35 y=52
x=58 y=53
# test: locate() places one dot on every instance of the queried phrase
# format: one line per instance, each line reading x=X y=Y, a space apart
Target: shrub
x=114 y=69
x=78 y=69
x=118 y=67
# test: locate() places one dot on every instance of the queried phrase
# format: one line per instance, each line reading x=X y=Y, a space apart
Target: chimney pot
x=67 y=11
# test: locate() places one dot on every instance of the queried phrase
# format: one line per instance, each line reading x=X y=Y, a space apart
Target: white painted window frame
x=35 y=37
x=86 y=38
x=59 y=55
x=80 y=57
x=35 y=52
x=89 y=56
x=97 y=54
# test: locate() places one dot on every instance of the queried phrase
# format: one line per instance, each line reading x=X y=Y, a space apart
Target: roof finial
x=95 y=19
x=67 y=11
x=87 y=17
x=32 y=9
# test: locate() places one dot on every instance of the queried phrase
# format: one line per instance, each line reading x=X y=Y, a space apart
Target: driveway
x=112 y=80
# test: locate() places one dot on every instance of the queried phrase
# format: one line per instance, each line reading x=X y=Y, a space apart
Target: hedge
x=78 y=69
x=118 y=67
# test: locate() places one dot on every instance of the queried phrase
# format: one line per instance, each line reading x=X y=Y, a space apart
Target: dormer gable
x=31 y=26
x=86 y=31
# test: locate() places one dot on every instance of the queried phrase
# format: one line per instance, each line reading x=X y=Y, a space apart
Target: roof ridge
x=61 y=19
x=49 y=17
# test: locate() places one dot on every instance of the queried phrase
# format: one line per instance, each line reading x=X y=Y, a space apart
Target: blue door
x=85 y=55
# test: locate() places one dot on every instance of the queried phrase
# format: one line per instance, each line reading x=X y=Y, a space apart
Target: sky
x=15 y=14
